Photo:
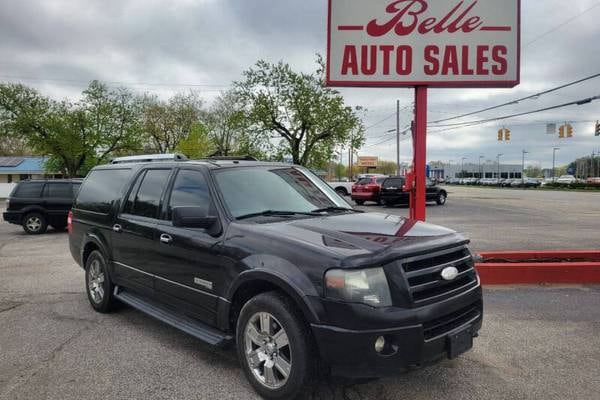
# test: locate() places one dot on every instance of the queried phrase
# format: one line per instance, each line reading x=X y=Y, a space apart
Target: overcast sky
x=170 y=46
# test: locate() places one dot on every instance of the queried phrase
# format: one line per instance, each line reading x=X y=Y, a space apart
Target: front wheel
x=341 y=191
x=359 y=202
x=275 y=347
x=441 y=200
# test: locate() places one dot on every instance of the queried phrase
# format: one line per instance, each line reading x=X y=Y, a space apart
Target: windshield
x=258 y=189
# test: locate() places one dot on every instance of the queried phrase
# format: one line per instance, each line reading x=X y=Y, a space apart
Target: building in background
x=472 y=170
x=15 y=169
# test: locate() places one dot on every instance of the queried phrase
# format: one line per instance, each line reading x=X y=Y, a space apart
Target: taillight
x=70 y=222
x=372 y=187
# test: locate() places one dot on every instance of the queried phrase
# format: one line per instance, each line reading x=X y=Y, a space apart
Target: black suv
x=392 y=192
x=268 y=257
x=35 y=204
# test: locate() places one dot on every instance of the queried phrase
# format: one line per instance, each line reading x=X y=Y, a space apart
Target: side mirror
x=193 y=217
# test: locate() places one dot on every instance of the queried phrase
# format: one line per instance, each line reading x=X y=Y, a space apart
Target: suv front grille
x=424 y=277
x=443 y=325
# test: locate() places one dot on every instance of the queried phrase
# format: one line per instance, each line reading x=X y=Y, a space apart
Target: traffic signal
x=597 y=128
x=569 y=130
x=561 y=132
x=503 y=134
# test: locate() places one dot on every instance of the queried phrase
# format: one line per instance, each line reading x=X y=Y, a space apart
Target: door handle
x=117 y=228
x=164 y=238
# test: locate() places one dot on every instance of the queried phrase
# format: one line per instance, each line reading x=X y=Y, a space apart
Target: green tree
x=166 y=123
x=75 y=136
x=197 y=144
x=230 y=129
x=309 y=117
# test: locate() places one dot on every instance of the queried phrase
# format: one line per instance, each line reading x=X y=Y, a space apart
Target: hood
x=365 y=238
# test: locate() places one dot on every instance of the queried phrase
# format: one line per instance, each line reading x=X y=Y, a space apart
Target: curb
x=538 y=267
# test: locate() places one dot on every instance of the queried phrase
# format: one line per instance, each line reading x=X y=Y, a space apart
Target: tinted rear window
x=147 y=199
x=29 y=189
x=395 y=182
x=363 y=181
x=101 y=188
x=59 y=190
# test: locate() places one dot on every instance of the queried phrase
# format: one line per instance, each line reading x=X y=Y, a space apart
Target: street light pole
x=462 y=167
x=523 y=167
x=554 y=162
x=498 y=162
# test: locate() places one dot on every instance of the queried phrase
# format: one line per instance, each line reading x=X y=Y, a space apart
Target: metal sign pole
x=417 y=210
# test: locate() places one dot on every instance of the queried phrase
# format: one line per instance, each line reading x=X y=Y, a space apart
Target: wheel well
x=87 y=250
x=247 y=291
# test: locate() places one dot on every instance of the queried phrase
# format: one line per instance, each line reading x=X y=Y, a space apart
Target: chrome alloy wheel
x=33 y=223
x=442 y=199
x=96 y=281
x=267 y=350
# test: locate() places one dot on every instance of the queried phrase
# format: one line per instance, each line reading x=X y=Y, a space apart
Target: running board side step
x=182 y=322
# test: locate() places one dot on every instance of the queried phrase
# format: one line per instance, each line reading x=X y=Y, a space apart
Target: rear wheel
x=359 y=202
x=275 y=347
x=35 y=223
x=341 y=191
x=97 y=283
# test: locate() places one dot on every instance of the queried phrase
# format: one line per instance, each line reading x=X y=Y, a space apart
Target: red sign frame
x=441 y=84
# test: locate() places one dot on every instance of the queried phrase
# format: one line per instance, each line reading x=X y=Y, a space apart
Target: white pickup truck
x=342 y=188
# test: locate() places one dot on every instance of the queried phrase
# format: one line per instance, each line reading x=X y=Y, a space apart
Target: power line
x=557 y=27
x=482 y=121
x=533 y=96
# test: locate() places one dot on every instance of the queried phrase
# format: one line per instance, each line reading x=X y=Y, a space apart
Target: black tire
x=107 y=302
x=341 y=191
x=35 y=223
x=300 y=351
x=441 y=199
x=359 y=202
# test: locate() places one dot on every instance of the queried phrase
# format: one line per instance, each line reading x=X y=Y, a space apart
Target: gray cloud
x=60 y=45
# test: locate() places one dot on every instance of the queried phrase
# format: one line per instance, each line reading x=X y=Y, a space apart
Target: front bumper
x=13 y=217
x=419 y=339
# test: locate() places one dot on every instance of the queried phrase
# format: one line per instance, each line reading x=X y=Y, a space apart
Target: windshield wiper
x=282 y=213
x=335 y=208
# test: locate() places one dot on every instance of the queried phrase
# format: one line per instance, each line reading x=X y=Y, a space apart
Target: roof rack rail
x=231 y=158
x=149 y=158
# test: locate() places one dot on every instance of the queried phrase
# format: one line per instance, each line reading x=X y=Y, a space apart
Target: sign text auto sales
x=423 y=42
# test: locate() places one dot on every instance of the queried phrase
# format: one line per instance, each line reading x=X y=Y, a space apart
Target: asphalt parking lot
x=536 y=343
x=516 y=219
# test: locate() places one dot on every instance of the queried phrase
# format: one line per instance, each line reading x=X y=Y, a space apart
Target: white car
x=568 y=179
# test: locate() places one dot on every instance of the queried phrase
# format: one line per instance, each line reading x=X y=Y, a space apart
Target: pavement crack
x=30 y=371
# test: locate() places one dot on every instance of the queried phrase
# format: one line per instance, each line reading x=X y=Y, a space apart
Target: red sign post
x=421 y=44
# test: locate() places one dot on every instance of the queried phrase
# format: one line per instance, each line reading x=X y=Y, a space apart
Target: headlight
x=367 y=286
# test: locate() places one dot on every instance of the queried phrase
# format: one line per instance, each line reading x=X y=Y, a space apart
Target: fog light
x=379 y=344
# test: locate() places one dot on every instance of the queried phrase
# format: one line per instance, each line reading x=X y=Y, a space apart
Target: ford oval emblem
x=449 y=273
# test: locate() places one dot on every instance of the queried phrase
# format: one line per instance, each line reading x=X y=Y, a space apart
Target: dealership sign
x=436 y=43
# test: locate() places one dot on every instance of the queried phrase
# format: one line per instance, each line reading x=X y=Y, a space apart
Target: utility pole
x=398 y=172
x=498 y=162
x=554 y=163
x=523 y=167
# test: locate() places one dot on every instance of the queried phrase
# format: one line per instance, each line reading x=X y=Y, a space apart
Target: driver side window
x=189 y=189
